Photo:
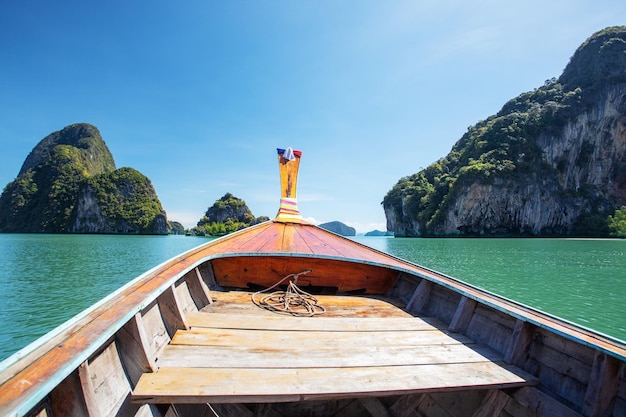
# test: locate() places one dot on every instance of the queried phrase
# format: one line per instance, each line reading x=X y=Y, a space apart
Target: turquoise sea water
x=47 y=279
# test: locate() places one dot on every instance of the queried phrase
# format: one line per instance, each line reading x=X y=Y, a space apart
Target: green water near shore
x=47 y=279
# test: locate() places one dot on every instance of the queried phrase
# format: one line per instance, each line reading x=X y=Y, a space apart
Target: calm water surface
x=47 y=279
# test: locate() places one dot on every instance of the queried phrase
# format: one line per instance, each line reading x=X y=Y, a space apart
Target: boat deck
x=235 y=352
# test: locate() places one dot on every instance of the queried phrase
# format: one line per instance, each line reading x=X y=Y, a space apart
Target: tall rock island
x=551 y=162
x=69 y=184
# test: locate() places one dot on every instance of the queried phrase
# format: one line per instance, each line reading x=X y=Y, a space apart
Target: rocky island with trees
x=69 y=184
x=551 y=162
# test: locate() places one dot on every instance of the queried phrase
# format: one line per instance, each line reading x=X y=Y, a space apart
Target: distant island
x=227 y=214
x=69 y=184
x=378 y=233
x=339 y=228
x=551 y=162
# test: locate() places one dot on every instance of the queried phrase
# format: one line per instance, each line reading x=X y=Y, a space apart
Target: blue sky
x=197 y=95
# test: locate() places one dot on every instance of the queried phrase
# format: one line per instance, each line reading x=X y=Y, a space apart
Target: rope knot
x=293 y=301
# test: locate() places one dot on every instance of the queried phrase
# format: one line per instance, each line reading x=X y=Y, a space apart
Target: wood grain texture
x=277 y=358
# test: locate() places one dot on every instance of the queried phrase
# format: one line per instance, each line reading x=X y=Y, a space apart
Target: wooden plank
x=519 y=343
x=228 y=385
x=335 y=273
x=420 y=296
x=239 y=303
x=308 y=340
x=321 y=356
x=198 y=288
x=492 y=404
x=541 y=403
x=374 y=407
x=171 y=311
x=463 y=315
x=133 y=343
x=88 y=390
x=406 y=405
x=602 y=388
x=321 y=323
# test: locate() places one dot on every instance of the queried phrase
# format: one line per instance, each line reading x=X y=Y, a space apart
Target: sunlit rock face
x=570 y=170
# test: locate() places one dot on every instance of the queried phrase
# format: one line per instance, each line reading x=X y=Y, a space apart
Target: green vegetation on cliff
x=617 y=222
x=126 y=198
x=53 y=190
x=226 y=215
x=505 y=148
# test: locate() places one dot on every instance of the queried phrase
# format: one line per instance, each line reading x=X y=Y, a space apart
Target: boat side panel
x=266 y=271
x=404 y=287
x=442 y=303
x=67 y=399
x=620 y=401
x=108 y=381
x=138 y=356
x=183 y=295
x=155 y=329
x=491 y=327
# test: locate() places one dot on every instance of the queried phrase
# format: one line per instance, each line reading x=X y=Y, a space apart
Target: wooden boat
x=366 y=334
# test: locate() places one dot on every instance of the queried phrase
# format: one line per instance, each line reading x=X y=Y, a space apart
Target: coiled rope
x=293 y=301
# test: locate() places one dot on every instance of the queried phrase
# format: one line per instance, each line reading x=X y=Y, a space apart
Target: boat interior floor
x=236 y=352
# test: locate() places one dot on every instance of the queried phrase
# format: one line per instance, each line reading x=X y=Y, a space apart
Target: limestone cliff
x=551 y=162
x=69 y=184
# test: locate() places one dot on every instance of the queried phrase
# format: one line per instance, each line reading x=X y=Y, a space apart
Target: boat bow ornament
x=288 y=164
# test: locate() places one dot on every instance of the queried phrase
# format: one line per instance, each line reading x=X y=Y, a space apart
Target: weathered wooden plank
x=88 y=390
x=374 y=407
x=109 y=383
x=602 y=388
x=227 y=385
x=420 y=296
x=519 y=343
x=540 y=403
x=239 y=303
x=269 y=339
x=157 y=336
x=67 y=400
x=492 y=405
x=406 y=405
x=198 y=289
x=134 y=345
x=335 y=273
x=463 y=315
x=321 y=323
x=183 y=296
x=171 y=311
x=334 y=356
